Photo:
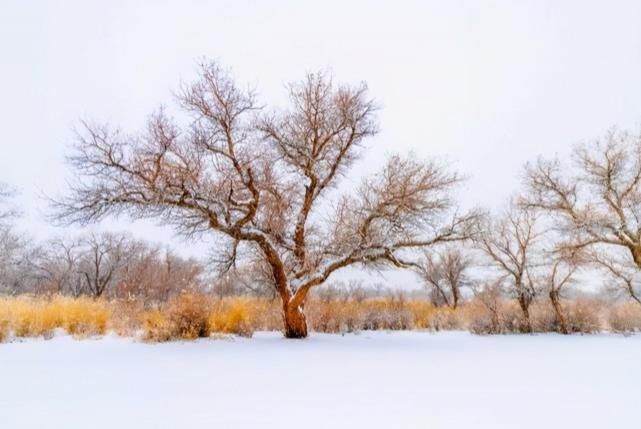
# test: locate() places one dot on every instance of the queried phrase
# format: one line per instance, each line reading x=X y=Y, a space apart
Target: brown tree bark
x=558 y=311
x=295 y=321
x=525 y=309
x=455 y=295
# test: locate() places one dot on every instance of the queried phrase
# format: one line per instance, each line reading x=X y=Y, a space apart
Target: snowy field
x=371 y=380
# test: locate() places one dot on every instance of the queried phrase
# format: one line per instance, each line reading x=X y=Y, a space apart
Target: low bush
x=188 y=316
x=584 y=316
x=156 y=327
x=238 y=316
x=625 y=317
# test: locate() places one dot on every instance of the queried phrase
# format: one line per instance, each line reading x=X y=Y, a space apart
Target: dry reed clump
x=128 y=317
x=156 y=327
x=584 y=316
x=240 y=316
x=184 y=318
x=625 y=317
x=33 y=317
x=349 y=315
x=496 y=317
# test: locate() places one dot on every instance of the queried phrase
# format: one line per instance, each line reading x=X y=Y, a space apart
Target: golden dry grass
x=190 y=316
x=32 y=317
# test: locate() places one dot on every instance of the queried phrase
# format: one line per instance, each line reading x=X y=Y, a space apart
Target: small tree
x=259 y=179
x=444 y=273
x=559 y=273
x=597 y=204
x=509 y=244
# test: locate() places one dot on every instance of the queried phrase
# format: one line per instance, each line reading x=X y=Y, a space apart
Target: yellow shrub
x=236 y=316
x=188 y=315
x=184 y=317
x=157 y=327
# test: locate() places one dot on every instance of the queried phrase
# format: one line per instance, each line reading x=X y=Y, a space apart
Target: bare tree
x=560 y=270
x=154 y=275
x=103 y=256
x=14 y=277
x=596 y=204
x=259 y=179
x=445 y=275
x=509 y=243
x=57 y=264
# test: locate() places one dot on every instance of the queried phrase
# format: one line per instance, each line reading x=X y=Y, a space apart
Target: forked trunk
x=558 y=311
x=295 y=322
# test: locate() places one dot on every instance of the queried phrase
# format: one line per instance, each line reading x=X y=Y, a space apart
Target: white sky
x=486 y=84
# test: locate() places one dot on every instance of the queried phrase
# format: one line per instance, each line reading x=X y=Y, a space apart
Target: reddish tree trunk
x=295 y=321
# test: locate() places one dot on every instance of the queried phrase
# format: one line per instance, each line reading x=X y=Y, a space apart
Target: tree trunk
x=455 y=296
x=295 y=322
x=525 y=309
x=560 y=318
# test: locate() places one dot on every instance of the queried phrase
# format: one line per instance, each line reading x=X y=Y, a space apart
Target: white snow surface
x=369 y=380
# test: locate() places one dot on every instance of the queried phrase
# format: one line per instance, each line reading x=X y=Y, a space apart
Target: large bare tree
x=259 y=179
x=596 y=203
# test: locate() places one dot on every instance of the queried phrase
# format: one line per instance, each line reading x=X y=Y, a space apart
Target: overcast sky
x=485 y=84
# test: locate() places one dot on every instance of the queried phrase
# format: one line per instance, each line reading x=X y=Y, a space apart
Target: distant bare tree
x=561 y=267
x=57 y=264
x=155 y=275
x=259 y=180
x=14 y=277
x=596 y=204
x=509 y=244
x=444 y=273
x=103 y=256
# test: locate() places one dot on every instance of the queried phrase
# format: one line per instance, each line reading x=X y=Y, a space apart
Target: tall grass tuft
x=33 y=317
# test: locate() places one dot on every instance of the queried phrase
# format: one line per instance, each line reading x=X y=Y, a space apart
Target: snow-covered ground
x=372 y=380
